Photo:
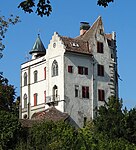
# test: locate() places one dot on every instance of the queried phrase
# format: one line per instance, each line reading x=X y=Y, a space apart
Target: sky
x=65 y=19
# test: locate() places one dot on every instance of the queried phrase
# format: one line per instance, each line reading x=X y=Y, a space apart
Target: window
x=45 y=73
x=99 y=47
x=25 y=101
x=76 y=90
x=82 y=70
x=35 y=76
x=85 y=92
x=45 y=96
x=54 y=68
x=25 y=79
x=55 y=93
x=100 y=70
x=101 y=95
x=35 y=99
x=70 y=69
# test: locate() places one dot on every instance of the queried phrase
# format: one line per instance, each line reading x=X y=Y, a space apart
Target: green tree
x=9 y=130
x=110 y=120
x=51 y=136
x=4 y=25
x=7 y=95
x=44 y=8
x=9 y=123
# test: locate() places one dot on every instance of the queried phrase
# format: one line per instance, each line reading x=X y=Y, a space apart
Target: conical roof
x=38 y=46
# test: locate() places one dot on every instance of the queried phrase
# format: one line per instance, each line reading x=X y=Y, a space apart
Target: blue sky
x=65 y=19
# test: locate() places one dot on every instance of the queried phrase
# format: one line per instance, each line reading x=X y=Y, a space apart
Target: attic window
x=75 y=44
x=101 y=32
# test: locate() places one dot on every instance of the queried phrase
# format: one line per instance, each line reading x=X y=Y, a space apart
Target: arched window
x=55 y=93
x=35 y=76
x=25 y=79
x=54 y=68
x=25 y=101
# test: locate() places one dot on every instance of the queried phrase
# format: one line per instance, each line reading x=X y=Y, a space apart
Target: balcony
x=52 y=100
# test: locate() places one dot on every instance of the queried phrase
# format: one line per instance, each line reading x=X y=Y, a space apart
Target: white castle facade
x=74 y=75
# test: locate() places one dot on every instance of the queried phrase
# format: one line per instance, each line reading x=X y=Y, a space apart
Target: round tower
x=38 y=49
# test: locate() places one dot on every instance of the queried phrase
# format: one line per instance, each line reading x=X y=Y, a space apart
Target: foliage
x=110 y=120
x=104 y=3
x=4 y=25
x=115 y=123
x=130 y=125
x=9 y=130
x=50 y=136
x=43 y=7
x=7 y=95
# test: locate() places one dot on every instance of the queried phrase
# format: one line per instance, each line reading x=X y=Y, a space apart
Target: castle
x=73 y=75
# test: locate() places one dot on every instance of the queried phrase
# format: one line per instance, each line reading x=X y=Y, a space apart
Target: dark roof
x=38 y=46
x=28 y=122
x=75 y=45
x=50 y=114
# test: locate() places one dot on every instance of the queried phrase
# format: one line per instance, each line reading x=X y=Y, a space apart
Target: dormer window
x=74 y=44
x=54 y=68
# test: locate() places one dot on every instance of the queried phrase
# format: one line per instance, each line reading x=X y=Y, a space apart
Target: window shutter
x=35 y=99
x=87 y=92
x=100 y=69
x=101 y=95
x=86 y=71
x=99 y=47
x=70 y=69
x=83 y=91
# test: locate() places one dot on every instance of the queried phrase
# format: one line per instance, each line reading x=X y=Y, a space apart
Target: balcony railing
x=52 y=100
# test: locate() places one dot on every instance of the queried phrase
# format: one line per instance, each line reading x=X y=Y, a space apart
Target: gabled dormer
x=38 y=49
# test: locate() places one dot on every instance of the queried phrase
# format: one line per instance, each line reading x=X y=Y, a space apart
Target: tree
x=51 y=136
x=104 y=3
x=7 y=95
x=44 y=8
x=4 y=25
x=9 y=130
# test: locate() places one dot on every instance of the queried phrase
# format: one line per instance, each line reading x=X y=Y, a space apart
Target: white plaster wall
x=103 y=59
x=56 y=53
x=78 y=107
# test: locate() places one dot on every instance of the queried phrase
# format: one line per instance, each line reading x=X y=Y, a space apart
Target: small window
x=25 y=79
x=35 y=99
x=35 y=76
x=54 y=68
x=25 y=101
x=82 y=70
x=101 y=95
x=99 y=47
x=45 y=73
x=85 y=92
x=76 y=90
x=100 y=70
x=70 y=69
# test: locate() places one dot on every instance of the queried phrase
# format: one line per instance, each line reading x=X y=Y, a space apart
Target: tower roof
x=38 y=47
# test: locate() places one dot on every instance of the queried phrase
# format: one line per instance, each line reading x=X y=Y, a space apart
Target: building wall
x=31 y=88
x=104 y=59
x=79 y=108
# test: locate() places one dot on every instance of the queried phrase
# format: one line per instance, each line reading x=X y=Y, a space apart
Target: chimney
x=84 y=26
